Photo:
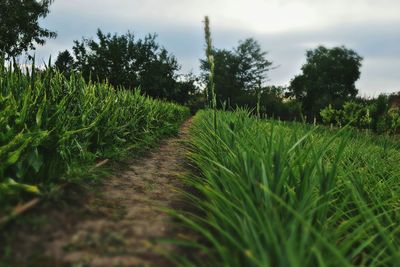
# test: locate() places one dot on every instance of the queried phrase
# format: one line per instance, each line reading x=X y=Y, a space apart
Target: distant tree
x=65 y=62
x=157 y=75
x=253 y=65
x=394 y=100
x=225 y=75
x=187 y=87
x=328 y=77
x=238 y=71
x=19 y=25
x=127 y=62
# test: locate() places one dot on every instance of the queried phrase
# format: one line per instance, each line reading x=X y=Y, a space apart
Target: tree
x=126 y=62
x=225 y=75
x=328 y=77
x=65 y=62
x=158 y=77
x=187 y=88
x=252 y=64
x=19 y=25
x=237 y=72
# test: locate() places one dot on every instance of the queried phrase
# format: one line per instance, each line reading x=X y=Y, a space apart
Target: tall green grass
x=51 y=125
x=271 y=193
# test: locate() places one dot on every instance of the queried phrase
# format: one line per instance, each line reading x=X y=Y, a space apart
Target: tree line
x=321 y=92
x=128 y=62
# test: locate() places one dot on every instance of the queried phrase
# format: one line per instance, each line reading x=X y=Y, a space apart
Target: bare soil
x=119 y=225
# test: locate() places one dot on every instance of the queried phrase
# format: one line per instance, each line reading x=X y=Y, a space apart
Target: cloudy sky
x=284 y=28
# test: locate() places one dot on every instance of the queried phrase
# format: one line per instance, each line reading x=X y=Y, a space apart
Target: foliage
x=356 y=114
x=389 y=122
x=378 y=109
x=252 y=64
x=353 y=114
x=125 y=61
x=328 y=77
x=225 y=76
x=237 y=71
x=272 y=193
x=19 y=25
x=188 y=88
x=330 y=115
x=376 y=115
x=64 y=63
x=52 y=125
x=272 y=102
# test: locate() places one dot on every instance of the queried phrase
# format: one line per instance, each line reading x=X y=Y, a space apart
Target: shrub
x=389 y=122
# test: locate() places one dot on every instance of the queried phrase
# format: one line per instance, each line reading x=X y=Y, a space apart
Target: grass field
x=271 y=193
x=54 y=129
x=267 y=193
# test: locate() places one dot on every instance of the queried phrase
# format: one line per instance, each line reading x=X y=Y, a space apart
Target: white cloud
x=255 y=15
x=286 y=28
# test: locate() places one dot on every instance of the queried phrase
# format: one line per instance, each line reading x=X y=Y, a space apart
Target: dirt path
x=124 y=219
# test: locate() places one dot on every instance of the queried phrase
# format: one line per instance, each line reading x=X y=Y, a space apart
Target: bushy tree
x=379 y=107
x=126 y=62
x=394 y=100
x=19 y=25
x=353 y=113
x=238 y=72
x=252 y=64
x=374 y=114
x=187 y=87
x=328 y=77
x=65 y=62
x=225 y=75
x=389 y=122
x=329 y=115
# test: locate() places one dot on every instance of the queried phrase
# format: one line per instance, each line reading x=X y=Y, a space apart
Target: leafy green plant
x=51 y=125
x=389 y=122
x=272 y=193
x=356 y=115
x=353 y=114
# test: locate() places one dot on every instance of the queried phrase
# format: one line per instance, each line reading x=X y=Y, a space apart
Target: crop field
x=273 y=193
x=280 y=147
x=265 y=192
x=54 y=129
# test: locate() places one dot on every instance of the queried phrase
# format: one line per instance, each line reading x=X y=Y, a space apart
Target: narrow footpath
x=120 y=224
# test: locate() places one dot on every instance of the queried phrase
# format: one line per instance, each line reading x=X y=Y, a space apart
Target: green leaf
x=35 y=160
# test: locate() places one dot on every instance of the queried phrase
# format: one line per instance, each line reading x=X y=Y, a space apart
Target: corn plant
x=50 y=125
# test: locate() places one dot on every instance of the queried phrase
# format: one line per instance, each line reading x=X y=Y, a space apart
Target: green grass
x=271 y=193
x=53 y=129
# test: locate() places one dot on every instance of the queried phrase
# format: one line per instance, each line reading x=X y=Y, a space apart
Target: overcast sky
x=284 y=28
